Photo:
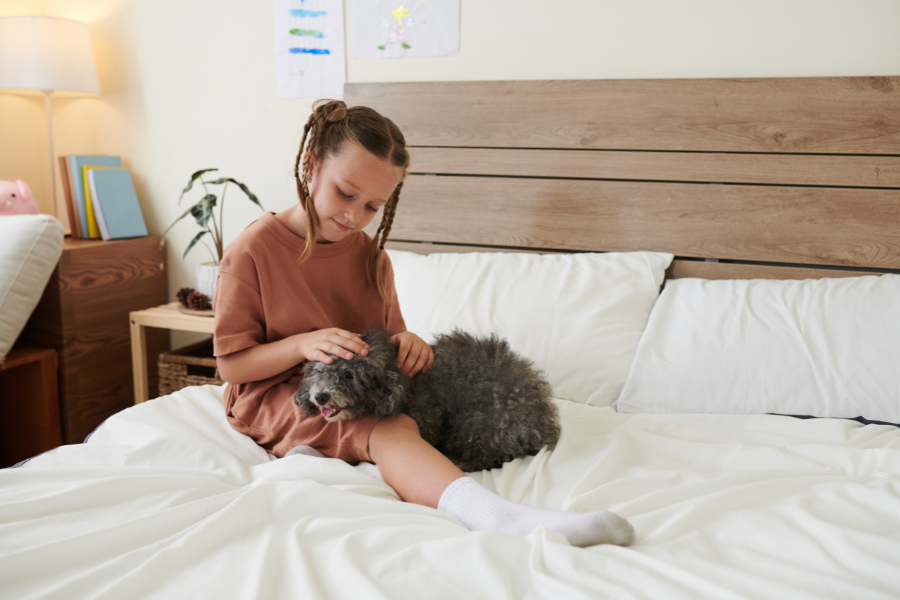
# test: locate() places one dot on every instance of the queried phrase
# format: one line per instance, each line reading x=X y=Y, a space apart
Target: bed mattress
x=166 y=501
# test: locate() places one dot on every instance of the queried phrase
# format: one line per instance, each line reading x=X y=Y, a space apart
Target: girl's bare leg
x=420 y=474
x=409 y=464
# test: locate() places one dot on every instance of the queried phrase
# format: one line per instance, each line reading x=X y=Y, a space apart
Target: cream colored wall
x=190 y=84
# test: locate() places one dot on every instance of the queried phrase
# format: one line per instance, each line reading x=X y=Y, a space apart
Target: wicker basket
x=191 y=365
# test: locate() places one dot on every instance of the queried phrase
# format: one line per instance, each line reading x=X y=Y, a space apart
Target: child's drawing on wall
x=405 y=28
x=398 y=14
x=309 y=48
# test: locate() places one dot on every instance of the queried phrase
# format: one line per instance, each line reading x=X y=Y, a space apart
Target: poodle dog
x=480 y=403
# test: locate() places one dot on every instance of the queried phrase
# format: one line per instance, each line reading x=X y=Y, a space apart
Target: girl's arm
x=267 y=360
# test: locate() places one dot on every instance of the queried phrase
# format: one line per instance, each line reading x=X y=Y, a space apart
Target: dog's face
x=363 y=385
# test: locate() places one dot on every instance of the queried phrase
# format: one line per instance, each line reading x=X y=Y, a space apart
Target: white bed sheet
x=166 y=501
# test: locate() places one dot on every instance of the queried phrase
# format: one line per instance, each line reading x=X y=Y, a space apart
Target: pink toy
x=16 y=199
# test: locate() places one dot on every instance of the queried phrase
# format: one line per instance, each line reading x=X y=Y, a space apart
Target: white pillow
x=577 y=316
x=824 y=348
x=30 y=247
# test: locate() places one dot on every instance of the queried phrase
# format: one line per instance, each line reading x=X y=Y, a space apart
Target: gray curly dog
x=480 y=404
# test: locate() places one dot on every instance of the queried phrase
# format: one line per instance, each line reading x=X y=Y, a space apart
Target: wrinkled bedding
x=166 y=501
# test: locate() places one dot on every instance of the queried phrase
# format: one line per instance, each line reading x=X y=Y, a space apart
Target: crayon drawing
x=405 y=28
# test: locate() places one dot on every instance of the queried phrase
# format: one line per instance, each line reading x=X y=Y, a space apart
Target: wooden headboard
x=739 y=178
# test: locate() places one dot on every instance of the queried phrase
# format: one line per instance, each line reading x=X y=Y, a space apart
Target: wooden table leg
x=139 y=361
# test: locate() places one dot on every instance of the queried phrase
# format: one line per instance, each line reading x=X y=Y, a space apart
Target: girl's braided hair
x=330 y=126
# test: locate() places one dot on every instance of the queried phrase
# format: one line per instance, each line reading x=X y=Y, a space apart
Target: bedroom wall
x=190 y=85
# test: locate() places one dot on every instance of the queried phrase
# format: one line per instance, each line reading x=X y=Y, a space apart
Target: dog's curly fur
x=480 y=404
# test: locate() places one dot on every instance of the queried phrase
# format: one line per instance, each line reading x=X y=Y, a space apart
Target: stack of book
x=100 y=198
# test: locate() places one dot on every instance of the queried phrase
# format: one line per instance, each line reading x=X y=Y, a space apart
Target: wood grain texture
x=837 y=115
x=845 y=227
x=711 y=270
x=423 y=248
x=679 y=268
x=143 y=322
x=84 y=314
x=29 y=404
x=775 y=169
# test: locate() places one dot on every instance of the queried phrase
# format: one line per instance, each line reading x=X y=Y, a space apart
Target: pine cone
x=197 y=301
x=182 y=296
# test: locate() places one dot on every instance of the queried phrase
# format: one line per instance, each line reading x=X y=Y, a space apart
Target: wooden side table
x=83 y=315
x=166 y=316
x=29 y=404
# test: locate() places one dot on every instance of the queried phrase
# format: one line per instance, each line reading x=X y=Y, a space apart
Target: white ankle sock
x=482 y=510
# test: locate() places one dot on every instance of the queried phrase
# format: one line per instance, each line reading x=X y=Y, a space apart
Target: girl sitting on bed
x=296 y=286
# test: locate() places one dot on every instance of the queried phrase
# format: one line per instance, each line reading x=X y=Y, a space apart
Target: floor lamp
x=45 y=55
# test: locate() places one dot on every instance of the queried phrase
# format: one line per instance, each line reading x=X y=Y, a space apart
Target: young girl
x=301 y=284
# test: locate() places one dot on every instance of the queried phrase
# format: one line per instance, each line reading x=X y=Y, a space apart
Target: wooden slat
x=778 y=169
x=838 y=115
x=679 y=268
x=711 y=270
x=845 y=227
x=420 y=248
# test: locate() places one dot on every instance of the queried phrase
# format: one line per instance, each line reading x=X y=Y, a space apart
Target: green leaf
x=203 y=210
x=183 y=215
x=194 y=178
x=243 y=187
x=194 y=241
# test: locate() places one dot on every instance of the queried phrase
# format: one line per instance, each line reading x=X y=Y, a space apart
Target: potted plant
x=204 y=213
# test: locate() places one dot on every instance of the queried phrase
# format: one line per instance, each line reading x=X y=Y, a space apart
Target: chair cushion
x=30 y=247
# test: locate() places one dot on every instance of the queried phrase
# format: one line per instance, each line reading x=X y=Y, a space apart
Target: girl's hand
x=317 y=345
x=414 y=354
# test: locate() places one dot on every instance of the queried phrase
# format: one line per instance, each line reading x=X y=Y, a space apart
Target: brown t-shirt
x=263 y=295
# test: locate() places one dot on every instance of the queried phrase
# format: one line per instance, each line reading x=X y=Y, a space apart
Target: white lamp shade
x=47 y=54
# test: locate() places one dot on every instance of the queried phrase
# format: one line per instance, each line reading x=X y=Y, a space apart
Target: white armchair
x=30 y=247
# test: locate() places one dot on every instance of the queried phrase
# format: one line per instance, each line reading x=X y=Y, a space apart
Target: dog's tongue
x=327 y=411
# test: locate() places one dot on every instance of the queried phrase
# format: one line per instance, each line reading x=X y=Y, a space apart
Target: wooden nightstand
x=83 y=315
x=166 y=316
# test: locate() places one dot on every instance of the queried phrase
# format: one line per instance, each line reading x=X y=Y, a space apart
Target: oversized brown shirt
x=263 y=295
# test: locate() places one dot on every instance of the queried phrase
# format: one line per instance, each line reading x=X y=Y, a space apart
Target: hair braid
x=375 y=257
x=387 y=220
x=324 y=111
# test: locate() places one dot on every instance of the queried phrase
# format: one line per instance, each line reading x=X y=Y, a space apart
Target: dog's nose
x=323 y=398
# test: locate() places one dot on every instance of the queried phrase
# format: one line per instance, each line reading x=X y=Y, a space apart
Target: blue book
x=76 y=164
x=116 y=204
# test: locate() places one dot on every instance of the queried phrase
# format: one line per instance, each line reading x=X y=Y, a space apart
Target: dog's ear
x=394 y=392
x=301 y=398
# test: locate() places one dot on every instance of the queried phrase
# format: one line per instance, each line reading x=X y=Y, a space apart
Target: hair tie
x=379 y=229
x=296 y=174
x=381 y=247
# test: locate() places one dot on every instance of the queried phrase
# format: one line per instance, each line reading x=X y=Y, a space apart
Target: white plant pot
x=207 y=273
